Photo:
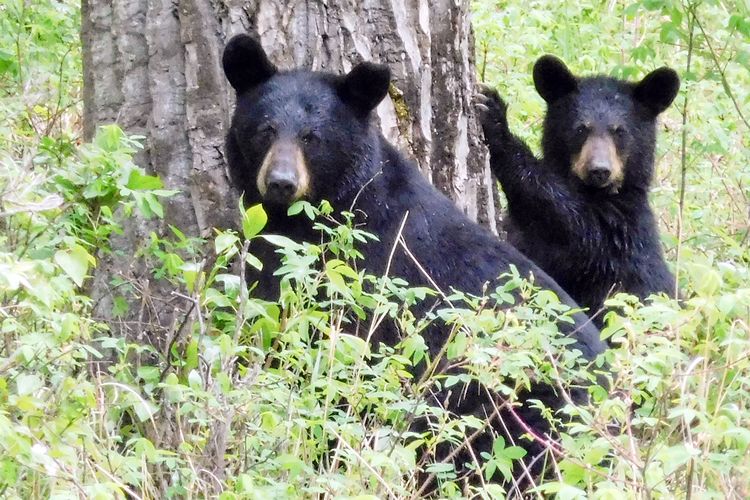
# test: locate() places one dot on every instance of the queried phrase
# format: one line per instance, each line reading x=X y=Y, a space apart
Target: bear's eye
x=582 y=131
x=617 y=131
x=308 y=136
x=266 y=131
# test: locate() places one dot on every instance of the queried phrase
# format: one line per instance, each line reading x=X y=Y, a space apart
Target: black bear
x=307 y=135
x=582 y=212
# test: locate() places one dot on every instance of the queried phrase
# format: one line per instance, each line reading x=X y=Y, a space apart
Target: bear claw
x=492 y=111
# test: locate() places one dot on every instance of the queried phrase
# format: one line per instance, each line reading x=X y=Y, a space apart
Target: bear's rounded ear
x=658 y=89
x=365 y=86
x=245 y=63
x=553 y=79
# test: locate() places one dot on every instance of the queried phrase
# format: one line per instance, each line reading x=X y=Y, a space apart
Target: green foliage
x=40 y=74
x=54 y=219
x=255 y=399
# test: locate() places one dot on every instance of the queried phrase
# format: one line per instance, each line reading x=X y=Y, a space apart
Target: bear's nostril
x=598 y=176
x=280 y=188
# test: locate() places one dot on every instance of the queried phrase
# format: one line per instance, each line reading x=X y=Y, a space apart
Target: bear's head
x=601 y=129
x=298 y=134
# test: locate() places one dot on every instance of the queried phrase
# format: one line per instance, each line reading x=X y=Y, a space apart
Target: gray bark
x=153 y=66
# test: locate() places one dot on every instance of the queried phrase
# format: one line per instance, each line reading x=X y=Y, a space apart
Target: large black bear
x=582 y=212
x=301 y=134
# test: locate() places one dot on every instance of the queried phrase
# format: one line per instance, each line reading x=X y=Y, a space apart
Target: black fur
x=350 y=159
x=593 y=242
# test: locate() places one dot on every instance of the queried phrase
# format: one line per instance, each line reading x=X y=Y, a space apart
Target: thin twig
x=683 y=151
x=465 y=444
x=174 y=339
x=376 y=323
x=423 y=270
x=717 y=63
x=369 y=467
x=138 y=396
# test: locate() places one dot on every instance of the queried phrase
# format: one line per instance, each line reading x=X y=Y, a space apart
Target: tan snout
x=283 y=177
x=598 y=164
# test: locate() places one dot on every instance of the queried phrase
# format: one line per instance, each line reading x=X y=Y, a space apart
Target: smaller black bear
x=581 y=212
x=308 y=135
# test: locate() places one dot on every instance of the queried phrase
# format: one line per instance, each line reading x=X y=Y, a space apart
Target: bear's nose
x=281 y=186
x=599 y=175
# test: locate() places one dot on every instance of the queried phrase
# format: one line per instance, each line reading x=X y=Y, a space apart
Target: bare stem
x=683 y=147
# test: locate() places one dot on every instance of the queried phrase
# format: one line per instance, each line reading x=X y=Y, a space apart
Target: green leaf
x=138 y=181
x=215 y=297
x=8 y=62
x=191 y=355
x=75 y=262
x=568 y=492
x=325 y=208
x=195 y=381
x=310 y=211
x=225 y=241
x=282 y=241
x=336 y=280
x=254 y=261
x=292 y=463
x=108 y=137
x=739 y=23
x=458 y=346
x=154 y=205
x=414 y=347
x=669 y=33
x=120 y=306
x=296 y=208
x=269 y=421
x=190 y=271
x=498 y=446
x=440 y=468
x=149 y=373
x=144 y=409
x=514 y=452
x=489 y=469
x=253 y=221
x=28 y=383
x=351 y=348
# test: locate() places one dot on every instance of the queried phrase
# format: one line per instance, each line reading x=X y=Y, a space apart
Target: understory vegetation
x=253 y=399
